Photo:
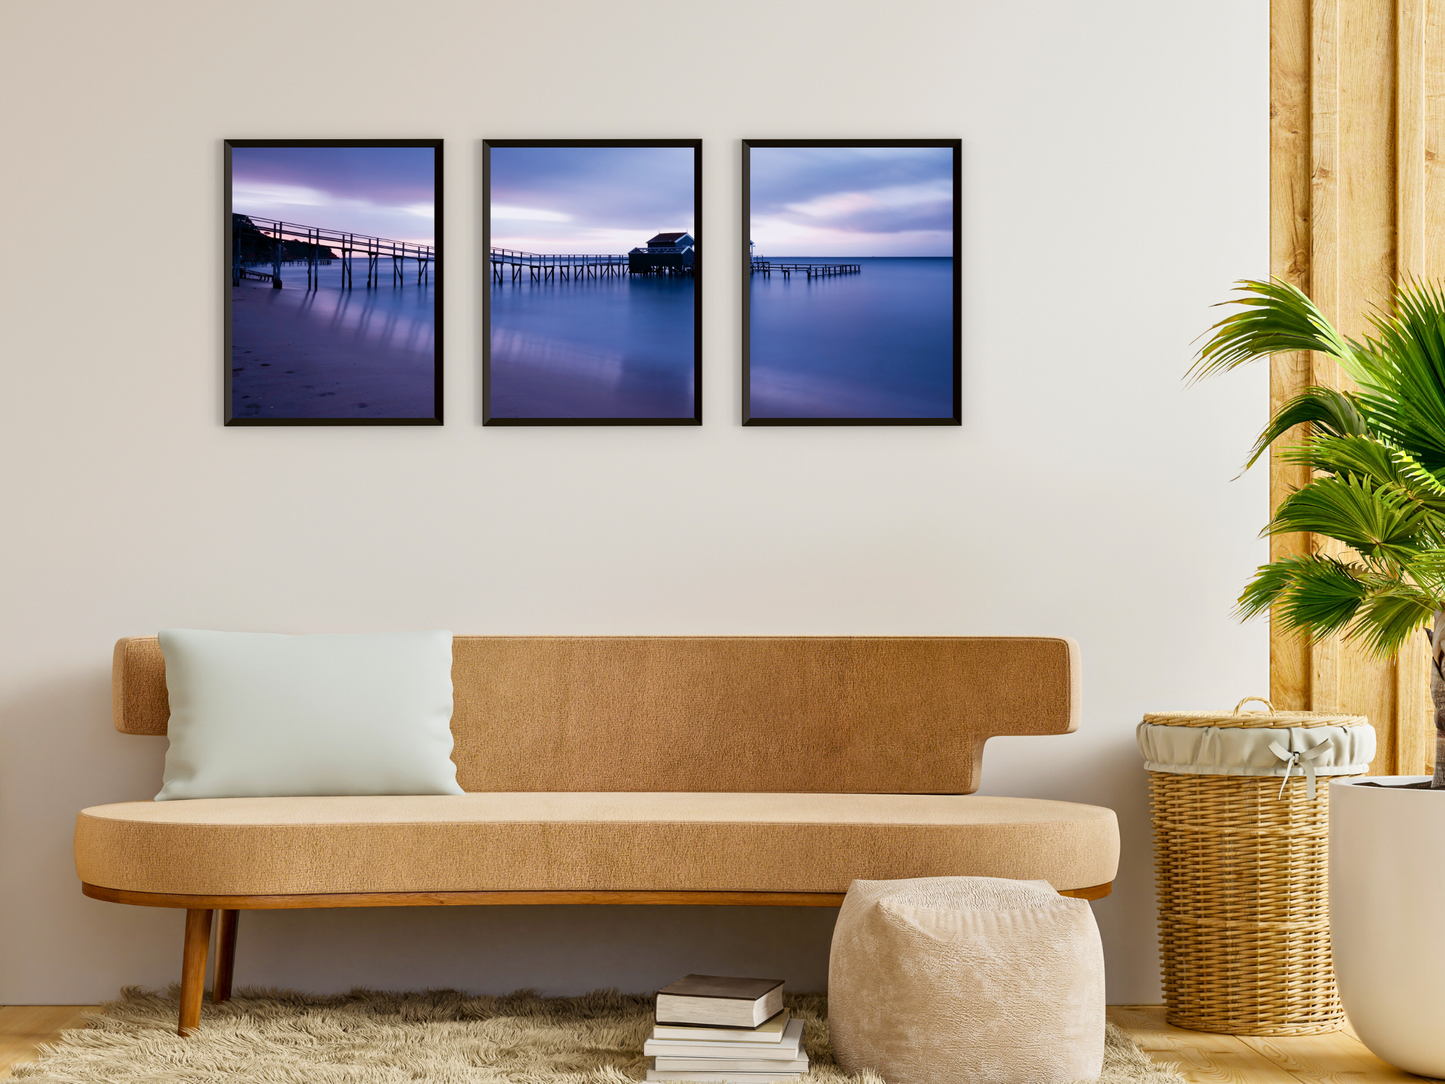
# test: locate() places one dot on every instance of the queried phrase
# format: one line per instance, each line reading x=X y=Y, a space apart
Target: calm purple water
x=878 y=344
x=592 y=348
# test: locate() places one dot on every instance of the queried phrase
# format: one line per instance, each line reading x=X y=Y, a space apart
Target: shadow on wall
x=553 y=950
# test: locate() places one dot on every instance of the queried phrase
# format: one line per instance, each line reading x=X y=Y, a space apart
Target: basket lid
x=1241 y=718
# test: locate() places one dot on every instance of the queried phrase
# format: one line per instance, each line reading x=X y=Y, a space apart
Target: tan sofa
x=662 y=770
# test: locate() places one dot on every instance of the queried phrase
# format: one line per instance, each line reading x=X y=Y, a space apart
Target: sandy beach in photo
x=293 y=355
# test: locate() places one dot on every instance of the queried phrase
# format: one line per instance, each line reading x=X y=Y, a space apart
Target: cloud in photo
x=851 y=201
x=378 y=191
x=588 y=200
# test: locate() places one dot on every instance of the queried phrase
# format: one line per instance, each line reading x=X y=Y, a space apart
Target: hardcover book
x=788 y=1049
x=719 y=1001
x=770 y=1031
x=733 y=1065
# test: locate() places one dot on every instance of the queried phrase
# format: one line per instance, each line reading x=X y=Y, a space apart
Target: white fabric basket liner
x=1232 y=750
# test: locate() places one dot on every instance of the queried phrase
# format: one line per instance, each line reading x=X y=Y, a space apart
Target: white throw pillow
x=257 y=714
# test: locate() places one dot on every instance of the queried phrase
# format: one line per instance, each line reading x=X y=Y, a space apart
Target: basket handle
x=1247 y=699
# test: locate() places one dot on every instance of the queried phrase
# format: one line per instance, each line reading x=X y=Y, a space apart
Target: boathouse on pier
x=664 y=254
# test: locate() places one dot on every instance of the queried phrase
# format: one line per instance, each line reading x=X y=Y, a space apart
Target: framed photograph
x=334 y=272
x=594 y=298
x=850 y=282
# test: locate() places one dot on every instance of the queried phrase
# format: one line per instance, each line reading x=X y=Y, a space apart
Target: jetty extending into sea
x=664 y=254
x=761 y=265
x=543 y=267
x=263 y=242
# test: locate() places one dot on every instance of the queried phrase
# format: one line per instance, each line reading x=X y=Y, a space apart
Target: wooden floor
x=1336 y=1058
x=24 y=1027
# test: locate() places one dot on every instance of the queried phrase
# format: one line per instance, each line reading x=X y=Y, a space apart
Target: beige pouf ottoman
x=966 y=980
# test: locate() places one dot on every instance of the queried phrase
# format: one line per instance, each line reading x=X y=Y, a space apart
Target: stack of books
x=711 y=1028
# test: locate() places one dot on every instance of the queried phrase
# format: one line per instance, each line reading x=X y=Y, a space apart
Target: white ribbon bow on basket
x=1304 y=759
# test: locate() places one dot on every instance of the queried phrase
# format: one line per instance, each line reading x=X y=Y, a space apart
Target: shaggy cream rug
x=437 y=1037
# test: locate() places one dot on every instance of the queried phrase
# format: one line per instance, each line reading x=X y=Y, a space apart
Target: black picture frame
x=489 y=417
x=429 y=272
x=748 y=271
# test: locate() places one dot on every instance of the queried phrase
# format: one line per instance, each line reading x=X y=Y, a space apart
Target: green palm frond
x=1403 y=391
x=1427 y=570
x=1392 y=616
x=1317 y=596
x=1377 y=459
x=1377 y=521
x=1312 y=594
x=1273 y=318
x=1364 y=457
x=1325 y=410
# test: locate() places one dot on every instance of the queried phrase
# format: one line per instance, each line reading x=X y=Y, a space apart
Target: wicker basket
x=1243 y=883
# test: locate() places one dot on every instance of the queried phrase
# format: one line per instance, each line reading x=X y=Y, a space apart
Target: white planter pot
x=1387 y=884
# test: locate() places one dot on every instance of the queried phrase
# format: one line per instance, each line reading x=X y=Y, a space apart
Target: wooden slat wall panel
x=1357 y=194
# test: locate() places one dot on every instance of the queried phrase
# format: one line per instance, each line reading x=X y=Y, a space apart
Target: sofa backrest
x=829 y=714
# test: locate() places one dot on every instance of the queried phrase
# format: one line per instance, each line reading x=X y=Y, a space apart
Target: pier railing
x=542 y=267
x=763 y=266
x=261 y=242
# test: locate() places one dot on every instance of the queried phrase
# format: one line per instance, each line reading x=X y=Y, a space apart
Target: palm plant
x=1377 y=457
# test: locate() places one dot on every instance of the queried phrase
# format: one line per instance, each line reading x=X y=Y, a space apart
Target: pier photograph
x=593 y=305
x=850 y=282
x=333 y=260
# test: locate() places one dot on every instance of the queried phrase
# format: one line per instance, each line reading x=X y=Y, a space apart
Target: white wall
x=1115 y=183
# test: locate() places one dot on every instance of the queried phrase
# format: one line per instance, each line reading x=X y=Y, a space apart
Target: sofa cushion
x=256 y=714
x=546 y=841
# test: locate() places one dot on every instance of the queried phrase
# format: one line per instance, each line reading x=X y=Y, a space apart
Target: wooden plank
x=1202 y=1057
x=24 y=1027
x=1203 y=1064
x=1332 y=1058
x=1324 y=268
x=1410 y=137
x=17 y=1021
x=1414 y=724
x=1432 y=59
x=1415 y=715
x=1289 y=218
x=1366 y=57
x=1147 y=1027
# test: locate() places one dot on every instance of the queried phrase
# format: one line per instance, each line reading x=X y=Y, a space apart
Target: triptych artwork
x=592 y=299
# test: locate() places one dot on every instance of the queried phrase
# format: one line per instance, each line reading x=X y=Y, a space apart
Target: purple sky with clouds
x=592 y=200
x=851 y=201
x=379 y=191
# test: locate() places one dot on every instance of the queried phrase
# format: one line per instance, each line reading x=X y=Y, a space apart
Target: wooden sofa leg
x=193 y=968
x=225 y=956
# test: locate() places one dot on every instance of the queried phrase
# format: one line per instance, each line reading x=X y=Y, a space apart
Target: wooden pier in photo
x=262 y=242
x=542 y=267
x=762 y=266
